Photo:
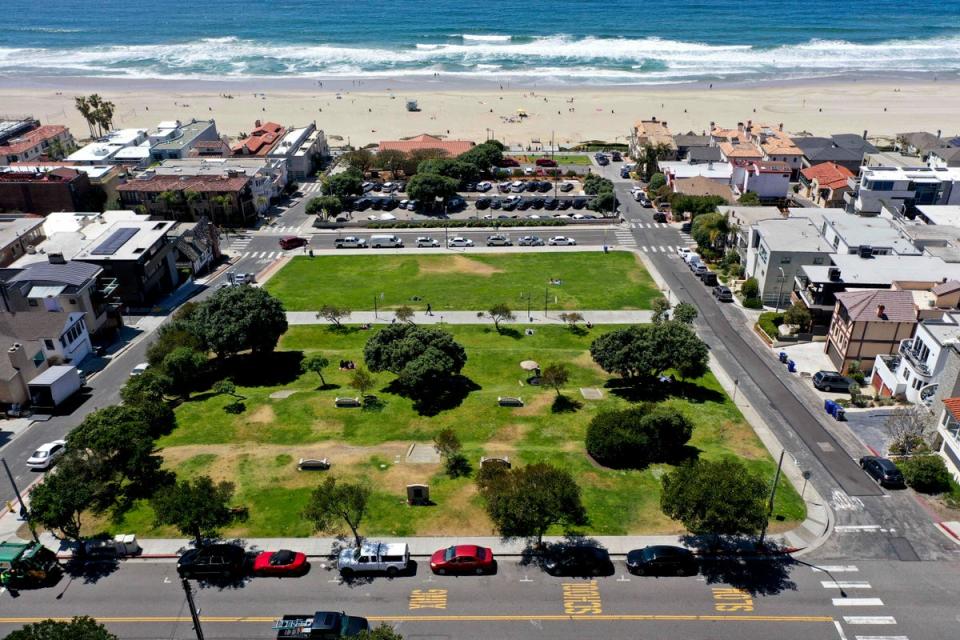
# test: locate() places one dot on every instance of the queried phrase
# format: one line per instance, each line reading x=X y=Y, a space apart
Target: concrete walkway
x=470 y=317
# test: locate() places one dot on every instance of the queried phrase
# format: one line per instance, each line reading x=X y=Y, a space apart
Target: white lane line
x=869 y=620
x=833 y=584
x=882 y=638
x=857 y=527
x=857 y=602
x=839 y=630
x=836 y=568
x=662 y=248
x=644 y=249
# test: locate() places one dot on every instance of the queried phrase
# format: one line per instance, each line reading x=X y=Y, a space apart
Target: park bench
x=508 y=401
x=347 y=402
x=313 y=464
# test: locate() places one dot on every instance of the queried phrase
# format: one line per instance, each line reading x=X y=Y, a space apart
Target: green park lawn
x=561 y=158
x=588 y=280
x=258 y=449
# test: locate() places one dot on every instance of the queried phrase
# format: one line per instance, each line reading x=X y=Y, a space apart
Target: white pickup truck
x=380 y=557
x=350 y=242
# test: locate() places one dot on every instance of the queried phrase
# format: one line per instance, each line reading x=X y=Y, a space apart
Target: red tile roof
x=33 y=138
x=261 y=140
x=212 y=184
x=425 y=141
x=953 y=406
x=56 y=175
x=829 y=175
x=864 y=305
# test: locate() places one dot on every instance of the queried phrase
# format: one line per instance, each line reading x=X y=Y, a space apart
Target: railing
x=906 y=350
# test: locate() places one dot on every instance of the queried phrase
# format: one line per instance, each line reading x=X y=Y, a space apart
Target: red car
x=507 y=161
x=280 y=563
x=292 y=242
x=462 y=558
x=546 y=162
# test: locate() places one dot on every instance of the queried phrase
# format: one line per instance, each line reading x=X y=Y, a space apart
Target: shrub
x=750 y=288
x=752 y=303
x=926 y=474
x=638 y=436
x=770 y=323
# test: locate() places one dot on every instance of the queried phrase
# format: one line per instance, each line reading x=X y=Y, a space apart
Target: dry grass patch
x=263 y=414
x=458 y=515
x=536 y=405
x=741 y=440
x=457 y=264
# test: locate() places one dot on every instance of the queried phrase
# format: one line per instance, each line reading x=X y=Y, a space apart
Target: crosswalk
x=659 y=248
x=260 y=255
x=235 y=244
x=856 y=588
x=311 y=187
x=625 y=238
x=289 y=229
x=649 y=225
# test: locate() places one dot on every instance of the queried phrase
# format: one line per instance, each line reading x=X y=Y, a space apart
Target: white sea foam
x=473 y=37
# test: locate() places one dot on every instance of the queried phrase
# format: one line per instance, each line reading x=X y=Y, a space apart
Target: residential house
x=302 y=149
x=902 y=188
x=757 y=142
x=703 y=155
x=268 y=176
x=889 y=159
x=261 y=140
x=948 y=430
x=687 y=142
x=844 y=149
x=19 y=234
x=227 y=200
x=57 y=190
x=451 y=148
x=913 y=371
x=701 y=186
x=38 y=143
x=867 y=323
x=865 y=237
x=944 y=157
x=718 y=172
x=653 y=133
x=12 y=127
x=173 y=140
x=140 y=256
x=104 y=178
x=825 y=183
x=198 y=245
x=919 y=143
x=769 y=180
x=102 y=151
x=218 y=148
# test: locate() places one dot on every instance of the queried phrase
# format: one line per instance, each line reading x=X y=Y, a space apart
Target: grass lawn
x=593 y=280
x=561 y=158
x=259 y=448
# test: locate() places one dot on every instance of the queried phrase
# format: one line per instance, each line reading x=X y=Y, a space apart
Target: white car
x=561 y=241
x=46 y=454
x=391 y=558
x=484 y=186
x=140 y=368
x=427 y=241
x=459 y=241
x=683 y=252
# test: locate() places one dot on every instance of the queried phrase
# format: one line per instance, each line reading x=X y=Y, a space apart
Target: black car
x=389 y=204
x=545 y=187
x=685 y=227
x=662 y=560
x=579 y=203
x=483 y=203
x=722 y=293
x=495 y=203
x=471 y=187
x=709 y=278
x=615 y=156
x=524 y=204
x=214 y=561
x=550 y=204
x=533 y=185
x=624 y=172
x=578 y=561
x=509 y=205
x=376 y=203
x=882 y=470
x=537 y=203
x=659 y=216
x=362 y=204
x=831 y=381
x=564 y=204
x=456 y=203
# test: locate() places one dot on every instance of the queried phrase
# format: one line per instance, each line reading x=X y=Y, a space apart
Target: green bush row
x=454 y=224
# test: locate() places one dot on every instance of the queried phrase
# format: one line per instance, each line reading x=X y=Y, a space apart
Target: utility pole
x=773 y=493
x=374 y=306
x=194 y=613
x=23 y=508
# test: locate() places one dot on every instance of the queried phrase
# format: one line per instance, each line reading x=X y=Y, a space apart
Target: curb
x=955 y=535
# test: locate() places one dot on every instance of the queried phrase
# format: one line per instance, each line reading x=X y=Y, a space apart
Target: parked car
x=532 y=186
x=46 y=454
x=368 y=187
x=722 y=293
x=616 y=156
x=386 y=240
x=662 y=560
x=831 y=381
x=580 y=203
x=546 y=162
x=625 y=173
x=139 y=369
x=374 y=557
x=459 y=241
x=498 y=241
x=529 y=171
x=530 y=241
x=537 y=203
x=708 y=278
x=482 y=203
x=388 y=187
x=699 y=269
x=507 y=161
x=578 y=561
x=603 y=161
x=280 y=563
x=566 y=187
x=349 y=242
x=463 y=558
x=241 y=278
x=545 y=187
x=214 y=561
x=685 y=227
x=882 y=470
x=561 y=241
x=495 y=203
x=427 y=241
x=550 y=204
x=683 y=252
x=484 y=186
x=292 y=242
x=564 y=204
x=659 y=216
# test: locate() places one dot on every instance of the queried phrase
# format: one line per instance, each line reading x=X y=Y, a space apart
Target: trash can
x=839 y=413
x=783 y=357
x=791 y=366
x=829 y=406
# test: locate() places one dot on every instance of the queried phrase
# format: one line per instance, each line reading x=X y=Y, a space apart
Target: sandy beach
x=364 y=113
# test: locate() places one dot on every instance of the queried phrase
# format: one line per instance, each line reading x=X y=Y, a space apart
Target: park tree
x=483 y=157
x=184 y=367
x=334 y=314
x=59 y=502
x=555 y=374
x=361 y=380
x=343 y=185
x=316 y=363
x=225 y=387
x=392 y=160
x=199 y=508
x=646 y=351
x=605 y=202
x=685 y=312
x=147 y=393
x=77 y=628
x=798 y=315
x=595 y=184
x=428 y=188
x=238 y=318
x=404 y=314
x=661 y=309
x=456 y=169
x=327 y=206
x=334 y=503
x=447 y=445
x=524 y=502
x=500 y=312
x=637 y=437
x=360 y=160
x=719 y=497
x=415 y=157
x=571 y=318
x=710 y=231
x=424 y=359
x=177 y=332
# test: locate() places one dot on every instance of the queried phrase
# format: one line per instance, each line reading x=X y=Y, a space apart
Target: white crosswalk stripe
x=833 y=584
x=881 y=638
x=644 y=249
x=836 y=568
x=869 y=620
x=857 y=602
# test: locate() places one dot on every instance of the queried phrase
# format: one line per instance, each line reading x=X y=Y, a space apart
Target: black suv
x=882 y=470
x=831 y=381
x=662 y=560
x=578 y=561
x=215 y=561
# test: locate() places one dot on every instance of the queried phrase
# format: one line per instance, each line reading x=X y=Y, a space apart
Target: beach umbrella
x=529 y=365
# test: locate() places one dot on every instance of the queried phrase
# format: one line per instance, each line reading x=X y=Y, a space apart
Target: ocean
x=603 y=42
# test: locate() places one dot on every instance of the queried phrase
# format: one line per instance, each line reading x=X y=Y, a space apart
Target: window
x=785 y=260
x=48 y=343
x=818 y=261
x=878 y=185
x=32 y=302
x=73 y=301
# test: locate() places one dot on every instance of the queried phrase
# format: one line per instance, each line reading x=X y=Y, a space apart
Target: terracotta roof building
x=57 y=190
x=35 y=143
x=702 y=186
x=825 y=184
x=453 y=148
x=867 y=323
x=652 y=132
x=758 y=142
x=146 y=192
x=261 y=140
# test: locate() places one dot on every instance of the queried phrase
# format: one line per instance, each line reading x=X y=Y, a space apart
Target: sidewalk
x=470 y=317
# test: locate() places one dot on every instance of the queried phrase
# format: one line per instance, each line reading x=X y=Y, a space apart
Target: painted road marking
x=730 y=599
x=839 y=630
x=456 y=618
x=856 y=527
x=857 y=602
x=833 y=584
x=869 y=620
x=836 y=568
x=581 y=598
x=881 y=637
x=428 y=599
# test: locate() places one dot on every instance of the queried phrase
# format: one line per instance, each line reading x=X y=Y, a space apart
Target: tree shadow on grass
x=444 y=397
x=737 y=562
x=565 y=404
x=330 y=386
x=646 y=390
x=262 y=369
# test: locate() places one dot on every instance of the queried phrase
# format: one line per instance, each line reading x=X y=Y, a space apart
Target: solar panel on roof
x=116 y=240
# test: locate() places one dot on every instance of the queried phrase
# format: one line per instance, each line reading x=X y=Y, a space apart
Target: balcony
x=906 y=350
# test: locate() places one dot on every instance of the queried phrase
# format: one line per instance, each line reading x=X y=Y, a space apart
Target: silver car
x=46 y=455
x=561 y=241
x=459 y=241
x=427 y=241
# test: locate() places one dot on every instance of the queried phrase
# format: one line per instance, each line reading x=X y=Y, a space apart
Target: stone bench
x=347 y=402
x=508 y=401
x=312 y=464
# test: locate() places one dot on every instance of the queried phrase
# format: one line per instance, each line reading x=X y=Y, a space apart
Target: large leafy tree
x=710 y=231
x=452 y=168
x=500 y=312
x=173 y=334
x=59 y=502
x=344 y=185
x=328 y=206
x=429 y=187
x=415 y=157
x=392 y=160
x=423 y=358
x=720 y=497
x=483 y=157
x=334 y=503
x=638 y=436
x=525 y=502
x=316 y=363
x=147 y=393
x=198 y=508
x=238 y=318
x=360 y=160
x=645 y=351
x=78 y=628
x=184 y=367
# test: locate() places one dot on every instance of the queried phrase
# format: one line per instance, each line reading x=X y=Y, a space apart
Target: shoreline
x=368 y=110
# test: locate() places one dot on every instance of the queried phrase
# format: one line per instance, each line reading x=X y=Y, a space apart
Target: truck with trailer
x=322 y=625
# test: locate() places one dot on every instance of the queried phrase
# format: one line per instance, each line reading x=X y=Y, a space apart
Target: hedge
x=453 y=224
x=770 y=323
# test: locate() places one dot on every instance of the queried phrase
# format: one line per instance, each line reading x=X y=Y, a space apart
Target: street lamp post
x=780 y=288
x=23 y=508
x=773 y=493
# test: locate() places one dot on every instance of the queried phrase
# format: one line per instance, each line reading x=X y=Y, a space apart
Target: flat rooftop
x=188 y=133
x=711 y=170
x=125 y=240
x=93 y=171
x=936 y=214
x=794 y=235
x=915 y=174
x=883 y=270
x=859 y=231
x=289 y=143
x=12 y=228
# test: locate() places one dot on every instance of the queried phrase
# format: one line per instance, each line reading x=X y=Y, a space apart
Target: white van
x=378 y=242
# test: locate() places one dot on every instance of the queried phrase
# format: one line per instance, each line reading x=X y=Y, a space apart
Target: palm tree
x=83 y=106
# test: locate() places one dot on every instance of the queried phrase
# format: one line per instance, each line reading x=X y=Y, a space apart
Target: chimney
x=938 y=133
x=749 y=124
x=653 y=119
x=713 y=125
x=56 y=258
x=739 y=126
x=880 y=311
x=256 y=123
x=18 y=357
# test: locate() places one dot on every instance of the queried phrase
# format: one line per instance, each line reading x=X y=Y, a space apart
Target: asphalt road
x=144 y=600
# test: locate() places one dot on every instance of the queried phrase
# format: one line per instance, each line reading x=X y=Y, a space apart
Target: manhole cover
x=591 y=393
